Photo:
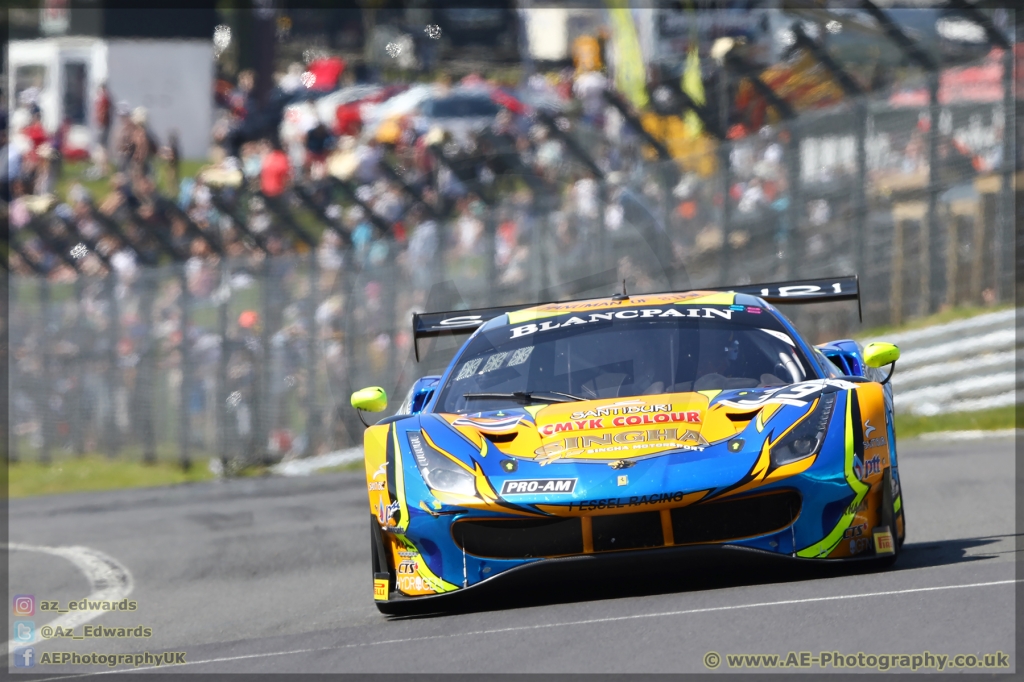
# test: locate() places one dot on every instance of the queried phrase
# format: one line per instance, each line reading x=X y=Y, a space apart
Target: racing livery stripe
x=400 y=481
x=823 y=547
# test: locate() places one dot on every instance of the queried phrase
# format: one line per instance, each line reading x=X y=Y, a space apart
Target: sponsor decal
x=408 y=567
x=625 y=502
x=461 y=321
x=883 y=542
x=509 y=465
x=409 y=555
x=703 y=313
x=382 y=470
x=539 y=486
x=375 y=485
x=418 y=584
x=868 y=428
x=859 y=545
x=876 y=442
x=386 y=515
x=380 y=589
x=855 y=531
x=417 y=449
x=594 y=424
x=623 y=480
x=795 y=394
x=869 y=468
x=624 y=441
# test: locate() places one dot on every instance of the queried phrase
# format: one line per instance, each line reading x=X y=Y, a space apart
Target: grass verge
x=908 y=426
x=96 y=472
x=337 y=468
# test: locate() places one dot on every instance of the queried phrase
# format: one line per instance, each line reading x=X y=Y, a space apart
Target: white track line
x=521 y=628
x=108 y=579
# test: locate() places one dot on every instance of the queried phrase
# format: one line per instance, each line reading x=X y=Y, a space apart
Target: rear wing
x=465 y=322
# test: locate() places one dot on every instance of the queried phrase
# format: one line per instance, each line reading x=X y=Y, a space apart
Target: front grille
x=627 y=531
x=702 y=523
x=520 y=538
x=734 y=519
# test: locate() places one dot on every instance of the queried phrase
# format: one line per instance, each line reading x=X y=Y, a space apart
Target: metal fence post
x=936 y=255
x=860 y=207
x=114 y=377
x=261 y=361
x=1004 y=242
x=184 y=427
x=147 y=360
x=46 y=414
x=791 y=247
x=313 y=417
x=77 y=425
x=222 y=364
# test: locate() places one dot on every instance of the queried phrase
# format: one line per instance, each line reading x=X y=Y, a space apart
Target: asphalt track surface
x=273 y=576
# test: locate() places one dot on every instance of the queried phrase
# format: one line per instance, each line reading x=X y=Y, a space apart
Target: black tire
x=378 y=560
x=888 y=520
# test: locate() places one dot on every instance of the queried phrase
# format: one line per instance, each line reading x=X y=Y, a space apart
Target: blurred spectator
x=34 y=131
x=318 y=143
x=144 y=146
x=124 y=146
x=275 y=173
x=103 y=117
x=171 y=154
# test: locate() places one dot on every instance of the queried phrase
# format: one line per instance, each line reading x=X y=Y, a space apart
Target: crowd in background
x=509 y=205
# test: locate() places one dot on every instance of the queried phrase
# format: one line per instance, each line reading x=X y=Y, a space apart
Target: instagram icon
x=24 y=605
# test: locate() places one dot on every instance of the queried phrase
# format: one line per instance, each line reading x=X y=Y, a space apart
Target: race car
x=632 y=424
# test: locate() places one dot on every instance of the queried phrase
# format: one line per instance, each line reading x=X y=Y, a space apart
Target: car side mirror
x=879 y=354
x=370 y=399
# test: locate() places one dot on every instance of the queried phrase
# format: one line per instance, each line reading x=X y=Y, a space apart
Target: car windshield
x=462 y=107
x=622 y=353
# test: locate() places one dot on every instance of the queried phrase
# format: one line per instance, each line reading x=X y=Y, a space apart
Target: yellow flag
x=694 y=87
x=630 y=76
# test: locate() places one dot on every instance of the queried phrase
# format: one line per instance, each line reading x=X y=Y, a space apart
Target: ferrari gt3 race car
x=634 y=423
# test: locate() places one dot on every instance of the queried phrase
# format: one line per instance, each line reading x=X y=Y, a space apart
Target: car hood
x=614 y=429
x=689 y=446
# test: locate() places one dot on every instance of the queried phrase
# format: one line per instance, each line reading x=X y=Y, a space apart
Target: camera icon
x=24 y=605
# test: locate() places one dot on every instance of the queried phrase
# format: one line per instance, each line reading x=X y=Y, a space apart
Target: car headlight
x=439 y=472
x=806 y=438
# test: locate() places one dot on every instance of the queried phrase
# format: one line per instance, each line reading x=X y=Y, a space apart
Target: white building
x=172 y=79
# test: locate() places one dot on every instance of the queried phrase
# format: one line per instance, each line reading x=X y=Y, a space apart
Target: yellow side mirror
x=371 y=399
x=880 y=354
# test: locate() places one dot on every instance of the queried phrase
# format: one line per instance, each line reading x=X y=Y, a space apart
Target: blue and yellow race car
x=634 y=423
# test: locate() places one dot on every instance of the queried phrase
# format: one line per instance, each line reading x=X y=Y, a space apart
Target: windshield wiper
x=529 y=396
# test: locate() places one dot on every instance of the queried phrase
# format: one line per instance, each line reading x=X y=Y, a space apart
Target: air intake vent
x=627 y=531
x=520 y=538
x=500 y=437
x=735 y=519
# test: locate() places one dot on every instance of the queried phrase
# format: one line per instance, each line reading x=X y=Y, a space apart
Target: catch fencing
x=249 y=355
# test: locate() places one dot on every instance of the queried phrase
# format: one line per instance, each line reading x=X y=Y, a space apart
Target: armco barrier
x=961 y=366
